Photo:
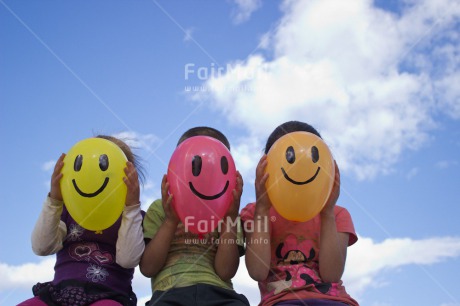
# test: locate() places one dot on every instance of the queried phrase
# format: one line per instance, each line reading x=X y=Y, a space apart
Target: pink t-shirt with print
x=294 y=268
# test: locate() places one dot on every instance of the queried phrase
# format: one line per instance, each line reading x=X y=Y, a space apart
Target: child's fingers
x=60 y=160
x=239 y=178
x=131 y=179
x=337 y=173
x=260 y=170
x=169 y=199
x=57 y=175
x=164 y=181
x=169 y=210
x=239 y=183
x=130 y=171
x=127 y=182
x=262 y=181
x=264 y=178
x=56 y=178
x=59 y=164
x=55 y=188
x=165 y=189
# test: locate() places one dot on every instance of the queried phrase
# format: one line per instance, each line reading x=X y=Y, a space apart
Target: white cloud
x=364 y=77
x=150 y=194
x=367 y=259
x=141 y=300
x=26 y=275
x=447 y=85
x=141 y=286
x=244 y=10
x=366 y=262
x=445 y=164
x=49 y=165
x=246 y=154
x=244 y=284
x=138 y=141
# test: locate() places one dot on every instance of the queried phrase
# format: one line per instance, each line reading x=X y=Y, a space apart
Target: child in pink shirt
x=297 y=263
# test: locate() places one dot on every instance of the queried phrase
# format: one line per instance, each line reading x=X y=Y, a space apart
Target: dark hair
x=205 y=131
x=286 y=128
x=129 y=155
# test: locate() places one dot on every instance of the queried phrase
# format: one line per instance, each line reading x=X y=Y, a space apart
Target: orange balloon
x=301 y=175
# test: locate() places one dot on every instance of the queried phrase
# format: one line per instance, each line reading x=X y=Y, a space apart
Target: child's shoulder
x=155 y=208
x=248 y=211
x=153 y=218
x=340 y=210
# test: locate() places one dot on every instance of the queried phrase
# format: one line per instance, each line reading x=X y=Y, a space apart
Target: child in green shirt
x=186 y=268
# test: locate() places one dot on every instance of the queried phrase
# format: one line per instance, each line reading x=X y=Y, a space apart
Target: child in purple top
x=91 y=268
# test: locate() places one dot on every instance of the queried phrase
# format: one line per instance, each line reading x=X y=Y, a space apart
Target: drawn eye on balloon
x=301 y=175
x=92 y=184
x=201 y=176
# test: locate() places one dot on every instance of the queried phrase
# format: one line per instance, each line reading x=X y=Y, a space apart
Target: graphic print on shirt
x=89 y=251
x=96 y=273
x=96 y=259
x=75 y=232
x=298 y=267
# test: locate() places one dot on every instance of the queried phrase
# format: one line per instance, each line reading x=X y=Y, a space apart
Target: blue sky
x=378 y=79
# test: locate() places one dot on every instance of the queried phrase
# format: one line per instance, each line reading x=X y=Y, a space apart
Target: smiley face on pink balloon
x=201 y=175
x=208 y=167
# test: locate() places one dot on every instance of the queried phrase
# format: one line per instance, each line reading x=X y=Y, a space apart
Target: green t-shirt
x=190 y=259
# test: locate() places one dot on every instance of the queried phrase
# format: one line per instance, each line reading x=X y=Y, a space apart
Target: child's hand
x=166 y=199
x=335 y=192
x=263 y=203
x=132 y=182
x=234 y=208
x=55 y=192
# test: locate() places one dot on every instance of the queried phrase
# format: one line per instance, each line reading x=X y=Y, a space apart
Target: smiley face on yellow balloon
x=301 y=175
x=92 y=184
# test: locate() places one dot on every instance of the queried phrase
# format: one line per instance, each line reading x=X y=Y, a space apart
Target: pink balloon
x=201 y=176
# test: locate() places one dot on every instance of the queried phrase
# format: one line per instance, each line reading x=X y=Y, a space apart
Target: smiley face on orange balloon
x=301 y=175
x=290 y=158
x=92 y=184
x=201 y=175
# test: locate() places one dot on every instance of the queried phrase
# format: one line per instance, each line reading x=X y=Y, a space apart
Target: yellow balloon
x=92 y=183
x=301 y=175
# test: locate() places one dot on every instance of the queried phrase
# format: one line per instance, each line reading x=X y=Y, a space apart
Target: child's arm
x=49 y=231
x=258 y=254
x=130 y=243
x=157 y=249
x=227 y=257
x=333 y=245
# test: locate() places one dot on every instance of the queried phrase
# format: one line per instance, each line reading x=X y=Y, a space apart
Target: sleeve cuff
x=54 y=202
x=132 y=210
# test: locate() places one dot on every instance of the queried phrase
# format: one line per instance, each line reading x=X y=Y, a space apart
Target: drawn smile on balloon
x=205 y=197
x=90 y=195
x=286 y=176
